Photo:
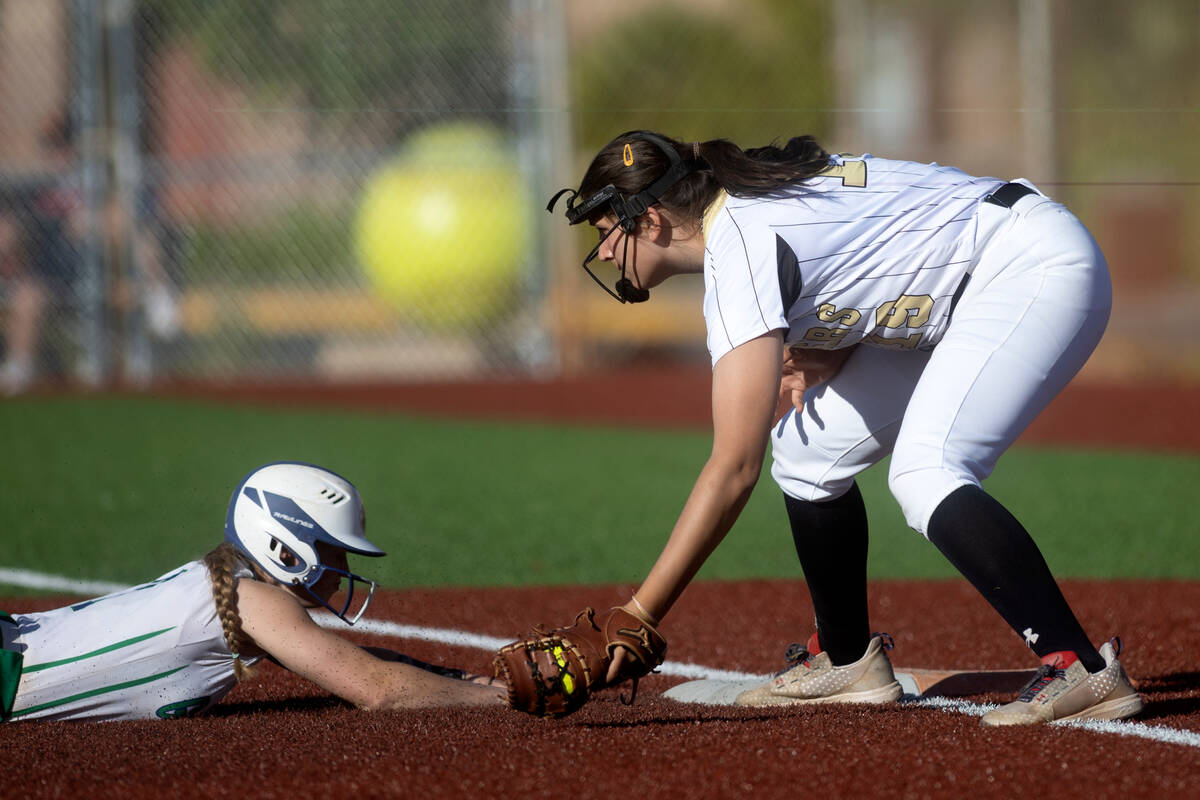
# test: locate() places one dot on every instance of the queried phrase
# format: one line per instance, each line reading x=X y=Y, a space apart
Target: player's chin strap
x=626 y=210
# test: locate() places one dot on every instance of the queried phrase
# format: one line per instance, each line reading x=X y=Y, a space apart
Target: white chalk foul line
x=492 y=643
x=1139 y=730
x=697 y=672
x=37 y=580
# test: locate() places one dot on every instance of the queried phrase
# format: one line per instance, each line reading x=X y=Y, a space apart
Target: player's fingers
x=801 y=359
x=789 y=384
x=824 y=361
x=784 y=405
x=482 y=680
x=614 y=669
x=792 y=380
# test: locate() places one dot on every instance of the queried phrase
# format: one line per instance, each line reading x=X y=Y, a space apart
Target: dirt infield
x=279 y=737
x=276 y=736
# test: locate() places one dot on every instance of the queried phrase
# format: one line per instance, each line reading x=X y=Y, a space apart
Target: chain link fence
x=246 y=190
x=350 y=190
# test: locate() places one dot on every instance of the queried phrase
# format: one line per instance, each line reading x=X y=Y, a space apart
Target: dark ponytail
x=757 y=172
x=762 y=171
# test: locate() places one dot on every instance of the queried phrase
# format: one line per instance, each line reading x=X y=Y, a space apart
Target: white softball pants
x=1034 y=309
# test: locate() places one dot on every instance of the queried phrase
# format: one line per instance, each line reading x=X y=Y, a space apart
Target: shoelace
x=1046 y=674
x=796 y=654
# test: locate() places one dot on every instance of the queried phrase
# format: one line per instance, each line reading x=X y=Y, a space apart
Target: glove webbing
x=558 y=682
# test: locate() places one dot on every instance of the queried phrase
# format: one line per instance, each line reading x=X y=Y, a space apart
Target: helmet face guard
x=348 y=613
x=281 y=512
x=609 y=200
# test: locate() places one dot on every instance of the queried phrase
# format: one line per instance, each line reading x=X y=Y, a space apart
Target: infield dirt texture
x=277 y=736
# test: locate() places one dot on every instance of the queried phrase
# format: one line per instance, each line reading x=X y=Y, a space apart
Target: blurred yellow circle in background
x=444 y=228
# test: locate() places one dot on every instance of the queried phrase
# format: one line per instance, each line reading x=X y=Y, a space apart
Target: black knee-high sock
x=831 y=542
x=999 y=557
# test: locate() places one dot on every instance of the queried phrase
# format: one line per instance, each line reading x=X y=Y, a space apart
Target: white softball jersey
x=872 y=250
x=973 y=316
x=154 y=650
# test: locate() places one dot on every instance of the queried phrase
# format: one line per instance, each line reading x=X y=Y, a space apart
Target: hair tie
x=646 y=616
x=696 y=150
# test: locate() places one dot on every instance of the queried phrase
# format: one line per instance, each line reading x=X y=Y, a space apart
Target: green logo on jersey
x=184 y=708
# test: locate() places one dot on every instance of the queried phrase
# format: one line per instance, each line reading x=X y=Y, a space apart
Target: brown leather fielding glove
x=552 y=673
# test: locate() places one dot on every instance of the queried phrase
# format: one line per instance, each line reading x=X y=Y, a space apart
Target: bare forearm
x=744 y=389
x=720 y=493
x=412 y=687
x=385 y=654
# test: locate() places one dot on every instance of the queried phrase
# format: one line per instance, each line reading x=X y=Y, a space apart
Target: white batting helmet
x=293 y=505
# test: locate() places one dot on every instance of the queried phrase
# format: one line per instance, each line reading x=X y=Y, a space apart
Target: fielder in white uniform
x=895 y=308
x=1027 y=319
x=175 y=646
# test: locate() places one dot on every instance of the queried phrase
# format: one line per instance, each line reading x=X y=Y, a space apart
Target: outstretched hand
x=620 y=655
x=552 y=673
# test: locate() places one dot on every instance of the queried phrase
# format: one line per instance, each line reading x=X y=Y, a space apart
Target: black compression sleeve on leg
x=998 y=556
x=831 y=543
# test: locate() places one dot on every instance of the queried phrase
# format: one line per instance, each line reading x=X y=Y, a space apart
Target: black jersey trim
x=791 y=283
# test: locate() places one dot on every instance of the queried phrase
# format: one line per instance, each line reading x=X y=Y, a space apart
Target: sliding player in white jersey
x=175 y=646
x=892 y=307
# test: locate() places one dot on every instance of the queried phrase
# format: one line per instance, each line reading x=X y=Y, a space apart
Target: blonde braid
x=221 y=563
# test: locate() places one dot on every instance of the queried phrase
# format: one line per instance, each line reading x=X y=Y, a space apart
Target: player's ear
x=655 y=225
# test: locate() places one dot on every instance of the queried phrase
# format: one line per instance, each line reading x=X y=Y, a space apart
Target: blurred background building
x=353 y=190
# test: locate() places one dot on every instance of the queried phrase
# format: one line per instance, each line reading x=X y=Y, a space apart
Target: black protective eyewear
x=626 y=210
x=608 y=198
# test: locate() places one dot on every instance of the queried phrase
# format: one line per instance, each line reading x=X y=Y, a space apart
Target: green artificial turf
x=125 y=488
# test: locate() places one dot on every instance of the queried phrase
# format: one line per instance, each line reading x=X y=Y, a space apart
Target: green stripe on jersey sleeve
x=94 y=653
